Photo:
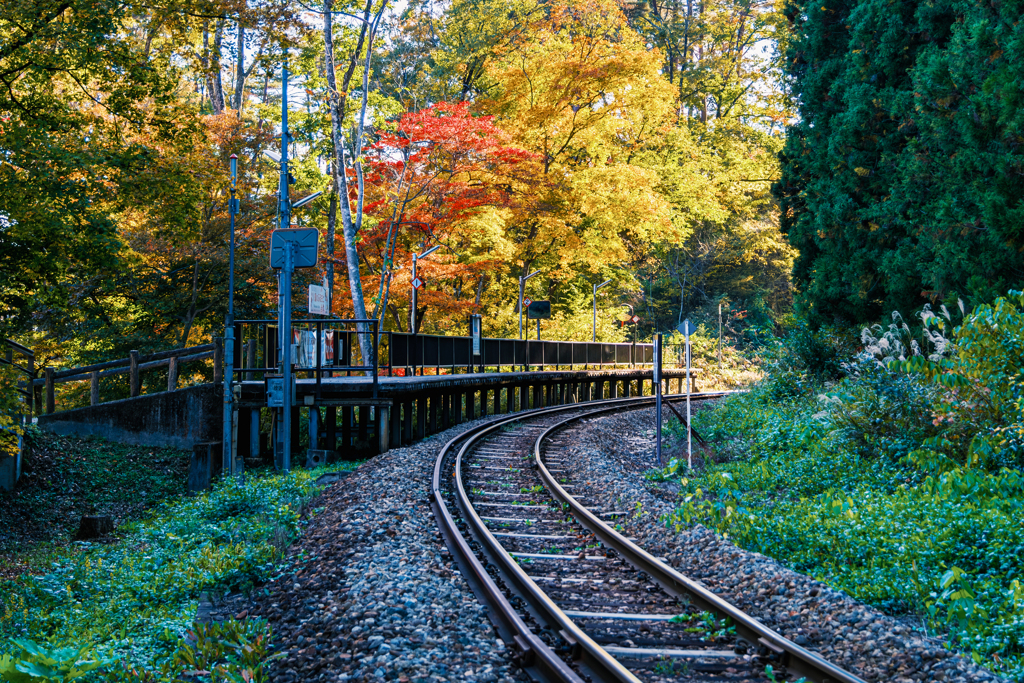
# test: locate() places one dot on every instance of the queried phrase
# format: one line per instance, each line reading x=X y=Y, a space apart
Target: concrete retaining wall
x=177 y=419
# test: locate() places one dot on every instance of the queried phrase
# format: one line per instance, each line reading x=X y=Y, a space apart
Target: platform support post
x=457 y=414
x=421 y=416
x=395 y=421
x=331 y=420
x=255 y=448
x=407 y=411
x=346 y=430
x=314 y=428
x=381 y=427
x=431 y=413
x=364 y=424
x=242 y=418
x=294 y=447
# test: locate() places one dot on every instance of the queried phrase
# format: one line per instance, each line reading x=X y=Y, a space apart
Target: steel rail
x=532 y=652
x=794 y=657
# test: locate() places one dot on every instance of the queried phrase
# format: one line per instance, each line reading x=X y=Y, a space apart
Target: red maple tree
x=435 y=170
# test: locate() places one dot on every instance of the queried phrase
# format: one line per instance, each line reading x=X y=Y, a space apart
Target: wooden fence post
x=94 y=388
x=172 y=373
x=49 y=389
x=218 y=359
x=133 y=373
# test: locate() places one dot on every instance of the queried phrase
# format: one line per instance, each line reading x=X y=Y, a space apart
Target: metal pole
x=232 y=210
x=597 y=287
x=229 y=335
x=538 y=329
x=412 y=308
x=286 y=355
x=689 y=435
x=284 y=206
x=285 y=315
x=719 y=335
x=657 y=393
x=522 y=285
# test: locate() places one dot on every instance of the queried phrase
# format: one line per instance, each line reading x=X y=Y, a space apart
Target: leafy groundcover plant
x=122 y=611
x=900 y=483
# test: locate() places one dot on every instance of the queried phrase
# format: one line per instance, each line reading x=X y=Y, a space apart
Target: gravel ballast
x=610 y=456
x=372 y=593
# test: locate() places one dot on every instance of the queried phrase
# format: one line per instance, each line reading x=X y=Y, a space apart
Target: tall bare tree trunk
x=212 y=65
x=351 y=221
x=332 y=221
x=239 y=66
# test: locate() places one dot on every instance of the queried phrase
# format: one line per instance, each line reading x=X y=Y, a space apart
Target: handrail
x=203 y=350
x=133 y=366
x=28 y=370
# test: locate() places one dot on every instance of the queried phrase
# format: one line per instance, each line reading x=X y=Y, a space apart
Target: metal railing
x=418 y=351
x=323 y=348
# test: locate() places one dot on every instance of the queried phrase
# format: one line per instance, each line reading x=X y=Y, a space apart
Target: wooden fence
x=134 y=365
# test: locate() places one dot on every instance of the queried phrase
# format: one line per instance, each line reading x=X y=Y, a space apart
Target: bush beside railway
x=890 y=474
x=123 y=609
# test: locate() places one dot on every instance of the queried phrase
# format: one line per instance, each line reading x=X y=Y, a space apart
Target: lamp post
x=522 y=288
x=227 y=439
x=597 y=287
x=412 y=309
x=284 y=215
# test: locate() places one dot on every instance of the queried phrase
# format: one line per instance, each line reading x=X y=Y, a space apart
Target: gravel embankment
x=374 y=594
x=608 y=460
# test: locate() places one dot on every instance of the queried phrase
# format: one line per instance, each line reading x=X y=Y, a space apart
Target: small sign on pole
x=538 y=310
x=317 y=300
x=526 y=302
x=635 y=319
x=418 y=282
x=476 y=332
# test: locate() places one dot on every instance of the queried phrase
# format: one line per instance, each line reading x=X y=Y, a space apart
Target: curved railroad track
x=578 y=600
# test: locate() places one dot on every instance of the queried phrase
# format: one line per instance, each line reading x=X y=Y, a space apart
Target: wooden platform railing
x=134 y=365
x=13 y=353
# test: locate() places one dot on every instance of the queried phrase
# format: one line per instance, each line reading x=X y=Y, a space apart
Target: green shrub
x=898 y=483
x=33 y=663
x=133 y=600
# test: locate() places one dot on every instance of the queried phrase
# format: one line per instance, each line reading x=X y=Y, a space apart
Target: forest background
x=587 y=140
x=812 y=167
x=695 y=153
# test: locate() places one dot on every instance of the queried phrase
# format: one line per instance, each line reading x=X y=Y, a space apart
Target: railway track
x=577 y=600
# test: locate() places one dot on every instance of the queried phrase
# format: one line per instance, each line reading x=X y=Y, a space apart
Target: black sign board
x=539 y=310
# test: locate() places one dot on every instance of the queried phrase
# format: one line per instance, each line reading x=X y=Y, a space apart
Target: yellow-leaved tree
x=581 y=90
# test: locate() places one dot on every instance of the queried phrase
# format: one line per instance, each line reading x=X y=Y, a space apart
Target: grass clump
x=130 y=603
x=899 y=481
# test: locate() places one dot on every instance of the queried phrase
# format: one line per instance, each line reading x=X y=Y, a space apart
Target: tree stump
x=94 y=526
